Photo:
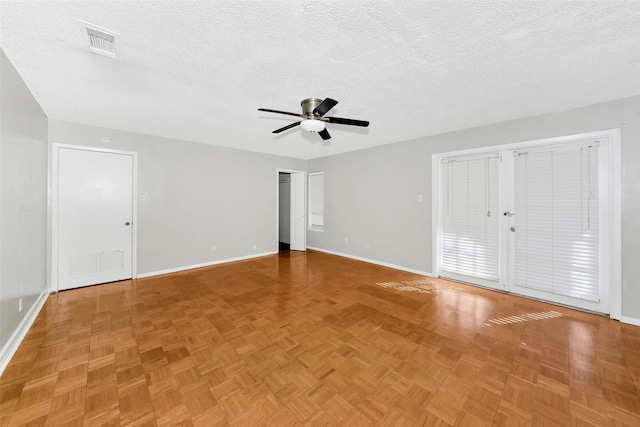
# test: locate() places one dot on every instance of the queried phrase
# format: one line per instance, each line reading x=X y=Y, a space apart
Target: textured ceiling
x=200 y=70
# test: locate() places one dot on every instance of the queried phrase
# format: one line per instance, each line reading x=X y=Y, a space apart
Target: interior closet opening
x=284 y=207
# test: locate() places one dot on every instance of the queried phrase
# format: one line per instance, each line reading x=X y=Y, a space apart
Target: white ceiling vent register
x=99 y=40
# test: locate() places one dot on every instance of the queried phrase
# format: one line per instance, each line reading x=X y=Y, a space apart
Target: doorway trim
x=55 y=157
x=614 y=205
x=290 y=171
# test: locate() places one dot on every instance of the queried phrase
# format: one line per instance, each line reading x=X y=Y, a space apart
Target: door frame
x=613 y=261
x=55 y=157
x=304 y=175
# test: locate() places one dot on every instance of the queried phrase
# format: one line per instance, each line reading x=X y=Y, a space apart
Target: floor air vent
x=99 y=40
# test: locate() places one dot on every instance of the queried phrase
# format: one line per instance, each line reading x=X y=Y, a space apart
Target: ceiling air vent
x=99 y=40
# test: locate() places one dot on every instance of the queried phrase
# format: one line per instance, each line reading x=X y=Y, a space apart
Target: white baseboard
x=10 y=348
x=205 y=264
x=372 y=261
x=630 y=320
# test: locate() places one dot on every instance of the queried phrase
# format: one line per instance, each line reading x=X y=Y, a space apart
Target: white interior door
x=95 y=191
x=298 y=229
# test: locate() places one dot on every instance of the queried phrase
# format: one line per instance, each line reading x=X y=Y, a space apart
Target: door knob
x=512 y=228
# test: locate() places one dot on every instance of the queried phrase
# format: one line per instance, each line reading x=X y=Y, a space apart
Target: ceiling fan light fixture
x=312 y=125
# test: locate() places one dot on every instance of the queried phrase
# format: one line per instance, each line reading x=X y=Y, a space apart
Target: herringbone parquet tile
x=315 y=339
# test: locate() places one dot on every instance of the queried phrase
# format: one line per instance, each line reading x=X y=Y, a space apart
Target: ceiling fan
x=313 y=120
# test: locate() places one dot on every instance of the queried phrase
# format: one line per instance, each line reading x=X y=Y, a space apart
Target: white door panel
x=298 y=212
x=95 y=215
x=555 y=232
x=470 y=219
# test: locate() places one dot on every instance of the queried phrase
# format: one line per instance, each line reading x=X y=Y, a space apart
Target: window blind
x=556 y=221
x=470 y=216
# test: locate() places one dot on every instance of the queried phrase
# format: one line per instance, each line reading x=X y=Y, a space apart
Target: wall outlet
x=346 y=240
x=254 y=247
x=213 y=248
x=20 y=305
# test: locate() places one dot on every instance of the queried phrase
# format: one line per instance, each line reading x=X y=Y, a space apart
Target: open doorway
x=284 y=229
x=292 y=210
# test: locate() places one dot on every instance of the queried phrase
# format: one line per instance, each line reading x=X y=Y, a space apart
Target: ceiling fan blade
x=350 y=122
x=292 y=125
x=324 y=134
x=325 y=106
x=279 y=112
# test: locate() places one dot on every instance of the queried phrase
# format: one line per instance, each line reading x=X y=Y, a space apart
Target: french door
x=534 y=220
x=470 y=215
x=556 y=224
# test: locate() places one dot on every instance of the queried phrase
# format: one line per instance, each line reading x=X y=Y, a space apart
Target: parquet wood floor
x=316 y=339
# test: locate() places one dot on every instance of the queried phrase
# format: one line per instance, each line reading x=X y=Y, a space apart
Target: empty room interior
x=319 y=213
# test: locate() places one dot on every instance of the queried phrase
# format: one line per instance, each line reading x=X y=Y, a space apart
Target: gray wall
x=197 y=195
x=371 y=196
x=23 y=199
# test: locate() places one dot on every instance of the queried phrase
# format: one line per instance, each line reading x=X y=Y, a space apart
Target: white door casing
x=93 y=216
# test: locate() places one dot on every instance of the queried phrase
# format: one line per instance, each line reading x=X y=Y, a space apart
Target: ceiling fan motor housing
x=308 y=105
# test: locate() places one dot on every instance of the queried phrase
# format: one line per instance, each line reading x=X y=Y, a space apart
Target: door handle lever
x=508 y=214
